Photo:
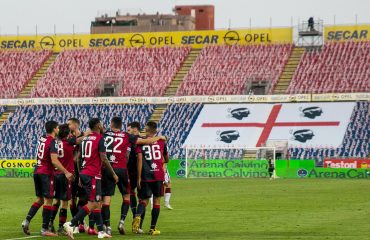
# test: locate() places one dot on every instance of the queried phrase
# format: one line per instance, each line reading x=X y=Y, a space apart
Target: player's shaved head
x=94 y=124
x=116 y=122
x=151 y=127
x=50 y=126
x=64 y=131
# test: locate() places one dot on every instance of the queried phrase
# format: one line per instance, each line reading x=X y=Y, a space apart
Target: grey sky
x=64 y=13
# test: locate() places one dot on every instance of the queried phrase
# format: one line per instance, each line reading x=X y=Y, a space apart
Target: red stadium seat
x=227 y=70
x=339 y=67
x=137 y=71
x=17 y=68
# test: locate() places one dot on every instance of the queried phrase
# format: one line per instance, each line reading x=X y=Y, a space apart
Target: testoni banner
x=347 y=163
x=251 y=125
x=195 y=39
x=17 y=163
x=330 y=97
x=16 y=172
x=227 y=168
x=347 y=33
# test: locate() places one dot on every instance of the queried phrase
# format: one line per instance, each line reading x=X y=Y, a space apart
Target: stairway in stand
x=187 y=64
x=26 y=91
x=289 y=70
x=175 y=84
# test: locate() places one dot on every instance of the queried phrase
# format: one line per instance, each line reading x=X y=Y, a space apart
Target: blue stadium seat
x=20 y=133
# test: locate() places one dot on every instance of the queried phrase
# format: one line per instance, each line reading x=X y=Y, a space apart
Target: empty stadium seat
x=338 y=67
x=17 y=68
x=227 y=70
x=176 y=124
x=2 y=109
x=135 y=71
x=20 y=133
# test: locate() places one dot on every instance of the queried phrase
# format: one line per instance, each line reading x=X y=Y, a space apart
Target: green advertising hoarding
x=237 y=168
x=218 y=168
x=16 y=172
x=307 y=169
x=258 y=168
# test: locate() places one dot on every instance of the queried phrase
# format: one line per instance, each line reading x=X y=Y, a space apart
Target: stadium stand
x=19 y=134
x=337 y=67
x=2 y=109
x=210 y=154
x=17 y=68
x=355 y=142
x=176 y=124
x=136 y=71
x=227 y=70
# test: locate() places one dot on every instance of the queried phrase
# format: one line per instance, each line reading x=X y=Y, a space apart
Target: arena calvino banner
x=347 y=33
x=195 y=39
x=331 y=97
x=307 y=169
x=227 y=168
x=234 y=169
x=258 y=169
x=16 y=172
x=251 y=125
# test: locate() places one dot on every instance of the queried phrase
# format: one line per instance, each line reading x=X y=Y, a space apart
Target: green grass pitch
x=229 y=209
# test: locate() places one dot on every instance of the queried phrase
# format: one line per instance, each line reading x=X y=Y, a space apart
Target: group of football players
x=89 y=166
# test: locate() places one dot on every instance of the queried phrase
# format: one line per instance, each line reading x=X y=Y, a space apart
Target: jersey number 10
x=86 y=149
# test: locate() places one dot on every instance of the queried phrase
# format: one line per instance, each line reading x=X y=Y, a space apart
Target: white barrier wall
x=327 y=97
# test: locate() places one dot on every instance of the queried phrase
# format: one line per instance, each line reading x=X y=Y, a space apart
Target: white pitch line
x=22 y=238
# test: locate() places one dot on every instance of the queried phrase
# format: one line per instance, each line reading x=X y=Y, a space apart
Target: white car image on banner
x=250 y=125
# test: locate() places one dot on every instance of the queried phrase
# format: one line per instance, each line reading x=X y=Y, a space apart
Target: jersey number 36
x=152 y=152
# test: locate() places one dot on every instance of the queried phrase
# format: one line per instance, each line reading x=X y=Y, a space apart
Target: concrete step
x=183 y=71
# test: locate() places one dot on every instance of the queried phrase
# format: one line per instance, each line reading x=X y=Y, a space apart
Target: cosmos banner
x=251 y=125
x=17 y=163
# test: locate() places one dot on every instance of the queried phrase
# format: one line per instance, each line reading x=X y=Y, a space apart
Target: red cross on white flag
x=251 y=125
